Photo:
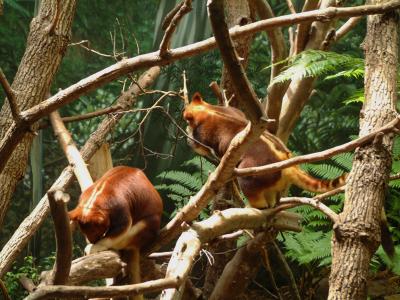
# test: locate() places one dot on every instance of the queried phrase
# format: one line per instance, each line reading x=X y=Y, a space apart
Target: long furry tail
x=307 y=182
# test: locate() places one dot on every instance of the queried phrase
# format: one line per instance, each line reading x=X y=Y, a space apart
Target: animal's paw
x=94 y=248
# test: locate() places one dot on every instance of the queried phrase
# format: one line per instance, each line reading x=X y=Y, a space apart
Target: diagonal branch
x=171 y=21
x=312 y=202
x=392 y=126
x=346 y=27
x=10 y=96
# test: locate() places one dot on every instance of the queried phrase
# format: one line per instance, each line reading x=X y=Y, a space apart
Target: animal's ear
x=197 y=98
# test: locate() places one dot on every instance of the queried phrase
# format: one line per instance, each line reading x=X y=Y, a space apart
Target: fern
x=313 y=63
x=308 y=247
x=179 y=186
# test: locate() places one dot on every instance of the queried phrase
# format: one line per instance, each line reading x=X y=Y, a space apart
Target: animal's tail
x=307 y=182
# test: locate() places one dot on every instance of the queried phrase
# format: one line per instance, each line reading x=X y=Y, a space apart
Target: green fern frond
x=313 y=63
x=356 y=97
x=184 y=178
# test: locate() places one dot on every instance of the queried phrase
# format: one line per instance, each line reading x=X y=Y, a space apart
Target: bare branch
x=291 y=6
x=105 y=264
x=185 y=90
x=10 y=96
x=273 y=100
x=303 y=29
x=171 y=22
x=289 y=274
x=31 y=223
x=62 y=291
x=94 y=114
x=346 y=27
x=218 y=93
x=241 y=85
x=71 y=151
x=62 y=265
x=312 y=202
x=4 y=290
x=317 y=156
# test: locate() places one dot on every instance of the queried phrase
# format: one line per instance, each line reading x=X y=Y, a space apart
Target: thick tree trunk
x=357 y=233
x=46 y=45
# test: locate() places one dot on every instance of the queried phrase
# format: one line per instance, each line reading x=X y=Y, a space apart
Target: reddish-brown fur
x=215 y=126
x=114 y=204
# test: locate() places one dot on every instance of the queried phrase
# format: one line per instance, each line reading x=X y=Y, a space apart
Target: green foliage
x=308 y=247
x=31 y=269
x=179 y=185
x=315 y=63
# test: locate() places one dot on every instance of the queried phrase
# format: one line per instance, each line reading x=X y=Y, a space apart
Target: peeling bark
x=357 y=233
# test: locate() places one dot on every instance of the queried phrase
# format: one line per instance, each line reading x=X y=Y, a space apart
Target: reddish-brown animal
x=215 y=126
x=121 y=210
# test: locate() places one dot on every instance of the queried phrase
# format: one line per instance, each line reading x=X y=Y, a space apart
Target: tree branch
x=31 y=223
x=71 y=151
x=62 y=265
x=125 y=66
x=292 y=282
x=189 y=243
x=10 y=96
x=317 y=156
x=171 y=21
x=94 y=114
x=62 y=291
x=291 y=6
x=303 y=29
x=241 y=85
x=346 y=27
x=312 y=202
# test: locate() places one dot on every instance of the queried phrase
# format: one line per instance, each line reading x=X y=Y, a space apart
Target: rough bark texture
x=357 y=233
x=42 y=57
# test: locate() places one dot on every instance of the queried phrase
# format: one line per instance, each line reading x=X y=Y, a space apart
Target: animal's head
x=93 y=224
x=196 y=111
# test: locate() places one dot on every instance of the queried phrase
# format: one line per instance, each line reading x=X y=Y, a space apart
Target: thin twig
x=4 y=290
x=10 y=96
x=184 y=8
x=185 y=90
x=218 y=93
x=94 y=114
x=292 y=281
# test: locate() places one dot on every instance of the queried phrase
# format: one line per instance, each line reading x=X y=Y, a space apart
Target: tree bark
x=357 y=233
x=48 y=38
